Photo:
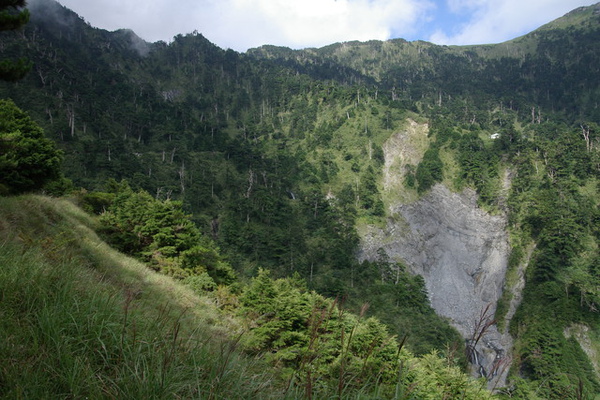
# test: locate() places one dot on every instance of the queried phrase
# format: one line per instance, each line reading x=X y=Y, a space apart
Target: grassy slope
x=79 y=319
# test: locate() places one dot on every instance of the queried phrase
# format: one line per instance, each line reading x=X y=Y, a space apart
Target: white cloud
x=240 y=24
x=314 y=22
x=494 y=21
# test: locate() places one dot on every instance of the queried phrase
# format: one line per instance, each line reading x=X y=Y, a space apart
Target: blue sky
x=243 y=24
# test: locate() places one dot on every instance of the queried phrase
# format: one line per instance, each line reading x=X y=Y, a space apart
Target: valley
x=398 y=207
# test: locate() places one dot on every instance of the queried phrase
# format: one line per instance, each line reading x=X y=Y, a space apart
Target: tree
x=430 y=170
x=161 y=233
x=13 y=16
x=143 y=226
x=27 y=159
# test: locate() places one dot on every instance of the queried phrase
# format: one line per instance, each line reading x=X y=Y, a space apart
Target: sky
x=244 y=24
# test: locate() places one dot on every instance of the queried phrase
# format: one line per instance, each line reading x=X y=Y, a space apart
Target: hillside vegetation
x=80 y=320
x=245 y=179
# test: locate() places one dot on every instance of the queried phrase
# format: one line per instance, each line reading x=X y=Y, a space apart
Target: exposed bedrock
x=462 y=253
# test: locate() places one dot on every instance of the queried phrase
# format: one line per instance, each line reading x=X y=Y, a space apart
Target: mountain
x=529 y=69
x=356 y=166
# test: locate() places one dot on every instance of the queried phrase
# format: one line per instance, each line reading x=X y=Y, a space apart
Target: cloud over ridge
x=242 y=24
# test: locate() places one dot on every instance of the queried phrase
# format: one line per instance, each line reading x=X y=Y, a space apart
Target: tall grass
x=75 y=323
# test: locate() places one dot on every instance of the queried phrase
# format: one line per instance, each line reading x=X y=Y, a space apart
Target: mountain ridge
x=282 y=160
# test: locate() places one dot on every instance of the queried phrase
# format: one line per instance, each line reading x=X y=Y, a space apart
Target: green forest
x=183 y=221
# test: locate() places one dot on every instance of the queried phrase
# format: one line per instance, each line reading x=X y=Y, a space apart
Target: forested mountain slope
x=554 y=67
x=80 y=319
x=282 y=158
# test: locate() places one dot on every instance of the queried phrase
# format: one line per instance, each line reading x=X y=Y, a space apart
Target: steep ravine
x=460 y=250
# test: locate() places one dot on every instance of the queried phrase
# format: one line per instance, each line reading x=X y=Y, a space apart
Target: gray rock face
x=461 y=252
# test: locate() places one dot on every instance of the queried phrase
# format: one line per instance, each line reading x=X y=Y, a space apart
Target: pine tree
x=13 y=16
x=27 y=159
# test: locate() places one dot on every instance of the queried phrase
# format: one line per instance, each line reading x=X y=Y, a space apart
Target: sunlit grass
x=80 y=320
